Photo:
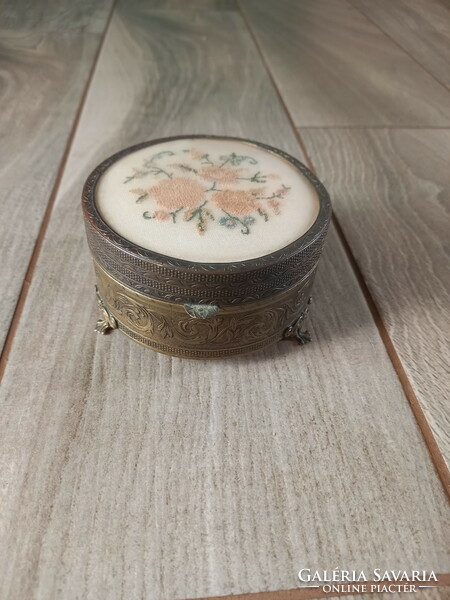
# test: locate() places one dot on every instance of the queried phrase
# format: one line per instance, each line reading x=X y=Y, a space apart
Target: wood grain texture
x=43 y=76
x=55 y=15
x=191 y=4
x=421 y=27
x=438 y=593
x=335 y=68
x=435 y=593
x=391 y=195
x=127 y=474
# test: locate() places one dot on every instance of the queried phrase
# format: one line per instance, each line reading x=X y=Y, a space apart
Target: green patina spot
x=201 y=311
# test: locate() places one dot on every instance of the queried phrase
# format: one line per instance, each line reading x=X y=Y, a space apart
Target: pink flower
x=220 y=174
x=236 y=202
x=177 y=193
x=275 y=206
x=161 y=215
x=197 y=153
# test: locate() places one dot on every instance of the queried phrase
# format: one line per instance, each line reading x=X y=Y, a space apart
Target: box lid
x=205 y=219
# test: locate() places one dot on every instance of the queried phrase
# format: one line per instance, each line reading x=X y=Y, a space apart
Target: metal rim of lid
x=180 y=280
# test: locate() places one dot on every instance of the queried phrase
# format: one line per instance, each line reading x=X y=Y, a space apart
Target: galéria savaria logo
x=378 y=580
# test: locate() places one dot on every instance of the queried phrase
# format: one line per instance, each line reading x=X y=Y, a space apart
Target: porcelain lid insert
x=207 y=200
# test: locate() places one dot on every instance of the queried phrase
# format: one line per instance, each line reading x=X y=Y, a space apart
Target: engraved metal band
x=171 y=328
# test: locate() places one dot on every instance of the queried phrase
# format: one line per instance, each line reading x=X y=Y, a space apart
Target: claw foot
x=303 y=337
x=295 y=332
x=107 y=323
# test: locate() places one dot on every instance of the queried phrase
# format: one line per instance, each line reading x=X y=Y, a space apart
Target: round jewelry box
x=205 y=246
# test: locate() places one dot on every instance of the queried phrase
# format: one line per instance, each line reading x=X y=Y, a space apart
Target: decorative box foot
x=303 y=337
x=295 y=331
x=107 y=323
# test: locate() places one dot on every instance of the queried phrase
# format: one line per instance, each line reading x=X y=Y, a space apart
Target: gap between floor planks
x=434 y=592
x=387 y=34
x=9 y=339
x=429 y=439
x=258 y=594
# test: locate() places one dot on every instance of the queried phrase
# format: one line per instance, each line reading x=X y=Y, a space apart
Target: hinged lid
x=205 y=219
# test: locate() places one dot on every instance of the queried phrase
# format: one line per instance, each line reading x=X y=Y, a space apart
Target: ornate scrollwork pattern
x=232 y=330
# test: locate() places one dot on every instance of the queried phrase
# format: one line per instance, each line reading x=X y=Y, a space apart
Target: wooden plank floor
x=131 y=475
x=334 y=67
x=421 y=27
x=45 y=65
x=87 y=16
x=390 y=190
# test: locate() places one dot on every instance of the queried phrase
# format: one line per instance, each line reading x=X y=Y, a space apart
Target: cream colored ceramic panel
x=207 y=200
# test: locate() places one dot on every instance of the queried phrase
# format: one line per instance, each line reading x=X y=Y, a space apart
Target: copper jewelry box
x=205 y=246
